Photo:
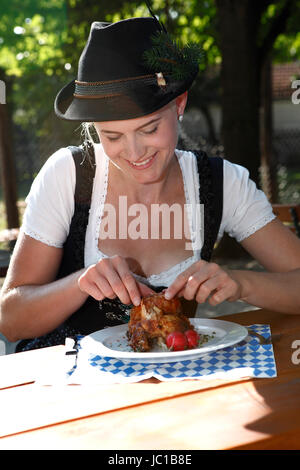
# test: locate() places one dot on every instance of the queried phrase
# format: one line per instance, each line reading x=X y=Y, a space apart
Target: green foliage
x=32 y=36
x=287 y=44
x=41 y=41
x=169 y=57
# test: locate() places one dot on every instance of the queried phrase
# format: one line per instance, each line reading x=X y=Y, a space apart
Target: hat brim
x=136 y=103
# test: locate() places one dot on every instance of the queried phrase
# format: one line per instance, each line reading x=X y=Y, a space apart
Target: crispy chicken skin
x=153 y=320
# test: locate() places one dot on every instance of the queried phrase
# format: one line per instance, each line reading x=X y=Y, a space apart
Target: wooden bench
x=289 y=214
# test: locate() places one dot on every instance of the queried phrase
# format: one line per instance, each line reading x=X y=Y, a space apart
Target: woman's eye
x=151 y=131
x=112 y=139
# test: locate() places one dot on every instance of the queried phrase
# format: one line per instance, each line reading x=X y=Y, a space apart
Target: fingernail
x=136 y=301
x=167 y=295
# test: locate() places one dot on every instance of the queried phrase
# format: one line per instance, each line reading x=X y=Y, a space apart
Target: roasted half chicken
x=153 y=320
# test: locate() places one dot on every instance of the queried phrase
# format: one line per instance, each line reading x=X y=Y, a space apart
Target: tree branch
x=278 y=26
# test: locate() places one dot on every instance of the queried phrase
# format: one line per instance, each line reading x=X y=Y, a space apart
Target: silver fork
x=262 y=339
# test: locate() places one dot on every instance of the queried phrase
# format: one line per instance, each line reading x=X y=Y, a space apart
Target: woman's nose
x=135 y=149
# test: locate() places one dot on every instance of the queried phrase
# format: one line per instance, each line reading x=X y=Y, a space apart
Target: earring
x=180 y=117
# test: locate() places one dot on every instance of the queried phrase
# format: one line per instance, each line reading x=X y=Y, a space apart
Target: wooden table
x=191 y=414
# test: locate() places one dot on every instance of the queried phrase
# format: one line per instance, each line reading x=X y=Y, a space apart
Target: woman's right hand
x=111 y=278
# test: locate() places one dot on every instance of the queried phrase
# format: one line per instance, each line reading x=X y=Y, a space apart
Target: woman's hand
x=205 y=281
x=111 y=278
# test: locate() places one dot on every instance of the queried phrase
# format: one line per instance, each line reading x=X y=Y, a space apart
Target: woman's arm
x=32 y=301
x=274 y=291
x=276 y=248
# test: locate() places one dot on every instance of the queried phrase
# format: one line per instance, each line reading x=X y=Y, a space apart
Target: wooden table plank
x=285 y=441
x=246 y=413
x=280 y=323
x=24 y=367
x=38 y=406
x=152 y=414
x=58 y=404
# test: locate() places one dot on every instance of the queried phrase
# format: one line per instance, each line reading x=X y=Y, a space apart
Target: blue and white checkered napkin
x=246 y=359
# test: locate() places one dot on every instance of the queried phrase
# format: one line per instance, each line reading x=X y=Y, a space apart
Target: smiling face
x=143 y=148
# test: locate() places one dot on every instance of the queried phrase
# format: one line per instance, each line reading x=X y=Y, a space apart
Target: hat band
x=115 y=87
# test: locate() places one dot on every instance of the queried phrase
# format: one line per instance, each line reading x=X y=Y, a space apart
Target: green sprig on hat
x=169 y=57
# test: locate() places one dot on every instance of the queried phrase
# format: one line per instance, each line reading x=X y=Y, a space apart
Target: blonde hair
x=89 y=133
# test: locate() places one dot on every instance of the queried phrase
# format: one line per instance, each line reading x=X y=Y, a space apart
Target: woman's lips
x=144 y=164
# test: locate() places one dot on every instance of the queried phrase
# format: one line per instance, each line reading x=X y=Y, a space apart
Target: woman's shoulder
x=50 y=202
x=59 y=159
x=57 y=172
x=237 y=176
x=184 y=154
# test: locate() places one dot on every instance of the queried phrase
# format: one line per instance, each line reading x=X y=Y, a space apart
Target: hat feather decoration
x=170 y=58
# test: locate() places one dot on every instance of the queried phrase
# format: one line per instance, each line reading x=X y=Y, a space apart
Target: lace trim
x=179 y=267
x=187 y=200
x=102 y=198
x=261 y=223
x=40 y=238
x=196 y=185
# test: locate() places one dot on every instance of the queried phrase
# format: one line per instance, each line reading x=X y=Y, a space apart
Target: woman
x=67 y=276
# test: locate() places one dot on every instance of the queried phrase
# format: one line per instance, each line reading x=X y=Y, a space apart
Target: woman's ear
x=181 y=101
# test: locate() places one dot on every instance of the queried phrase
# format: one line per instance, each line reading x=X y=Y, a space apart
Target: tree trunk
x=240 y=96
x=268 y=170
x=238 y=22
x=8 y=171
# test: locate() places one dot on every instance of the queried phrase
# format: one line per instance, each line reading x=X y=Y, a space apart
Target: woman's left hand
x=205 y=281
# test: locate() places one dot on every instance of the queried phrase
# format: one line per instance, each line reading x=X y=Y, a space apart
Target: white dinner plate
x=112 y=342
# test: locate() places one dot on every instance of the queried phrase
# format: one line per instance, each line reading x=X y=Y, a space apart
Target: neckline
x=154 y=276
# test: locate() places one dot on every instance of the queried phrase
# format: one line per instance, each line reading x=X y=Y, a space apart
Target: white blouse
x=50 y=206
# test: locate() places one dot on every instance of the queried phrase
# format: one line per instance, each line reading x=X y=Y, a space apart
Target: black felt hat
x=114 y=82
